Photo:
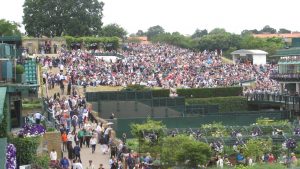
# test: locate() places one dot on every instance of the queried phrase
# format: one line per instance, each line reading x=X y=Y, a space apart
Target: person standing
x=53 y=157
x=38 y=117
x=93 y=143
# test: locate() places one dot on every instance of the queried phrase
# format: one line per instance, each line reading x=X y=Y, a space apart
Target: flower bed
x=11 y=157
x=32 y=130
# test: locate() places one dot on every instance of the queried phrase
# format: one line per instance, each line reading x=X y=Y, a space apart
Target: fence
x=231 y=119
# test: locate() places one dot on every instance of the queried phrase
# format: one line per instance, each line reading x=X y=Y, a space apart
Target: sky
x=185 y=16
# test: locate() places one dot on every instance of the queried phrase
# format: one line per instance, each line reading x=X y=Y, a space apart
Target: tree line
x=217 y=38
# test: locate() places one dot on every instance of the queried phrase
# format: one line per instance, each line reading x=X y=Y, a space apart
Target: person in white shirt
x=77 y=165
x=53 y=156
x=38 y=117
x=220 y=162
x=93 y=143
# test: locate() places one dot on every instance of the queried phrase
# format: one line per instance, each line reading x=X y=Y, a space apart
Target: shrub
x=41 y=162
x=226 y=104
x=135 y=88
x=20 y=69
x=160 y=92
x=210 y=92
x=26 y=148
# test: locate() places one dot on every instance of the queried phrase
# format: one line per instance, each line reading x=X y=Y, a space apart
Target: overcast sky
x=185 y=16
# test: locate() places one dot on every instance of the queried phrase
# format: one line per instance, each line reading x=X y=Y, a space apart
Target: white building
x=257 y=57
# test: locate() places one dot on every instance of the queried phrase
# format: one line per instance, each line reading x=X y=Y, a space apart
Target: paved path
x=98 y=157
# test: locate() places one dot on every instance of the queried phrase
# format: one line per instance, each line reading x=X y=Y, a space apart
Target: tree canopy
x=111 y=30
x=62 y=17
x=8 y=28
x=154 y=31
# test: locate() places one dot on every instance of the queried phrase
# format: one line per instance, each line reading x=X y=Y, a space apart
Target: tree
x=155 y=30
x=57 y=17
x=282 y=30
x=8 y=28
x=194 y=153
x=218 y=31
x=256 y=148
x=268 y=29
x=140 y=33
x=199 y=33
x=113 y=30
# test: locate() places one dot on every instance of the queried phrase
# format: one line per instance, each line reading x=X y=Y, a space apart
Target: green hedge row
x=226 y=104
x=210 y=92
x=160 y=93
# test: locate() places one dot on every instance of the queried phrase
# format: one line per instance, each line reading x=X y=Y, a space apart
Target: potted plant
x=20 y=76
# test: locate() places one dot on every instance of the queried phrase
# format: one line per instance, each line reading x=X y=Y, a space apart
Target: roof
x=281 y=35
x=288 y=52
x=244 y=52
x=2 y=100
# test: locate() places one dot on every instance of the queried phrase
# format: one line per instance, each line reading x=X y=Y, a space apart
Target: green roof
x=2 y=101
x=288 y=52
x=10 y=38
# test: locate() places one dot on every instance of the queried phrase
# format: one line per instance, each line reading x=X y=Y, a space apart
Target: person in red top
x=271 y=158
x=64 y=139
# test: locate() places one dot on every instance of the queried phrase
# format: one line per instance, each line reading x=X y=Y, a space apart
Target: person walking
x=91 y=166
x=53 y=157
x=93 y=143
x=64 y=140
x=80 y=137
x=64 y=163
x=77 y=152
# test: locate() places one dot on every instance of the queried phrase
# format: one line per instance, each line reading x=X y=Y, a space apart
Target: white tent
x=257 y=57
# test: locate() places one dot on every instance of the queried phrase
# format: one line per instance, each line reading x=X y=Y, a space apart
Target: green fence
x=232 y=119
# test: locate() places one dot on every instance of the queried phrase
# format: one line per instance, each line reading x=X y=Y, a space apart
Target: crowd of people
x=152 y=65
x=156 y=65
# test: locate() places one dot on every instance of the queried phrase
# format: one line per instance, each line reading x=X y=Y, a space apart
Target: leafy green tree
x=169 y=153
x=268 y=29
x=149 y=126
x=256 y=148
x=283 y=30
x=111 y=30
x=194 y=153
x=154 y=31
x=140 y=33
x=8 y=28
x=57 y=17
x=218 y=31
x=249 y=32
x=175 y=39
x=199 y=33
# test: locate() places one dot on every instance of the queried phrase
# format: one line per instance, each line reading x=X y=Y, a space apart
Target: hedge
x=26 y=148
x=160 y=93
x=226 y=104
x=210 y=92
x=91 y=40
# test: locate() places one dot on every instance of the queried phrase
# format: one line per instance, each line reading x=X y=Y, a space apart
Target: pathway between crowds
x=98 y=157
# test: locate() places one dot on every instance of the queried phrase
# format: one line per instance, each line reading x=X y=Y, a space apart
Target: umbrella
x=109 y=123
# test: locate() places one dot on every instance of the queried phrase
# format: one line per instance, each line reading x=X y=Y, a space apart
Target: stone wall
x=51 y=140
x=34 y=44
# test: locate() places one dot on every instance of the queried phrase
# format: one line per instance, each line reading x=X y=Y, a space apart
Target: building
x=43 y=45
x=286 y=36
x=257 y=57
x=288 y=71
